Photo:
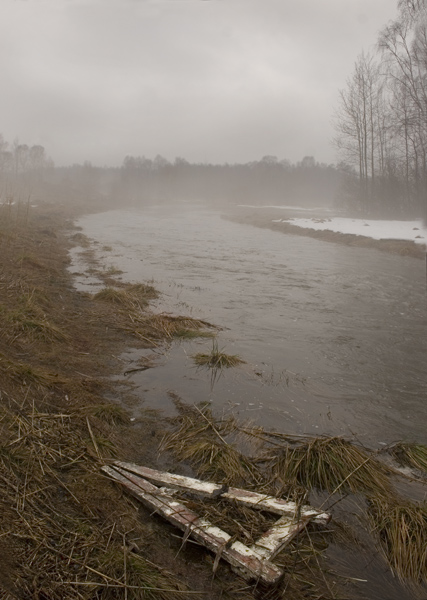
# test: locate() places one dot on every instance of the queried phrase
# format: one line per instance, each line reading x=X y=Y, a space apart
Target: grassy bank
x=65 y=530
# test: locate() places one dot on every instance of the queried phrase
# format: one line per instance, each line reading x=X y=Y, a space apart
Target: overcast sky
x=208 y=80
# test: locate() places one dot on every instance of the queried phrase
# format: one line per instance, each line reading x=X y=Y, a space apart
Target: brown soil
x=264 y=218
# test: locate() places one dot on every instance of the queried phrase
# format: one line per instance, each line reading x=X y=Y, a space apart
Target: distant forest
x=27 y=172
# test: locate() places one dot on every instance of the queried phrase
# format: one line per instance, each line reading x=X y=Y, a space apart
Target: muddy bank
x=263 y=217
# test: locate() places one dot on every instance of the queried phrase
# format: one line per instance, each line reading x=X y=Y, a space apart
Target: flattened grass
x=200 y=440
x=131 y=297
x=402 y=530
x=411 y=455
x=163 y=326
x=329 y=464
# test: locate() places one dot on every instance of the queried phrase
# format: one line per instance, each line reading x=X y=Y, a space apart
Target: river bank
x=67 y=531
x=274 y=218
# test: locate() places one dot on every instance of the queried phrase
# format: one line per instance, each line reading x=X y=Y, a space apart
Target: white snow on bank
x=290 y=207
x=376 y=229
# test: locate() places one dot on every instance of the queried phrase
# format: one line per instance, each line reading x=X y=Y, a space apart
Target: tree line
x=381 y=120
x=22 y=169
x=267 y=181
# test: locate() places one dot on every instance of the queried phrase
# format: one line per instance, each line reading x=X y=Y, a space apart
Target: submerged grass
x=402 y=530
x=135 y=296
x=217 y=359
x=411 y=455
x=151 y=327
x=329 y=464
x=200 y=440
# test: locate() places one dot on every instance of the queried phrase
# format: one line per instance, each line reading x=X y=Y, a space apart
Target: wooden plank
x=252 y=499
x=187 y=484
x=278 y=536
x=276 y=505
x=248 y=562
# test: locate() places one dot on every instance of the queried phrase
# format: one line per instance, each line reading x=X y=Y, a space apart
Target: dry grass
x=63 y=523
x=27 y=374
x=66 y=532
x=411 y=455
x=151 y=327
x=200 y=440
x=131 y=297
x=217 y=359
x=402 y=530
x=329 y=464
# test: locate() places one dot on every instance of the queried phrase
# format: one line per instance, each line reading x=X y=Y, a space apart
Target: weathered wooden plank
x=252 y=499
x=187 y=484
x=248 y=562
x=278 y=536
x=276 y=505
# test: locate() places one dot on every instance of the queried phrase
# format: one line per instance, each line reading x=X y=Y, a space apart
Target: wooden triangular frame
x=254 y=562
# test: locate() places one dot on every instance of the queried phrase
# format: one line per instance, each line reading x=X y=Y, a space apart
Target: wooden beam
x=253 y=499
x=247 y=561
x=278 y=536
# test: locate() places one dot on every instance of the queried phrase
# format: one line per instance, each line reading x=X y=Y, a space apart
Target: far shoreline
x=265 y=219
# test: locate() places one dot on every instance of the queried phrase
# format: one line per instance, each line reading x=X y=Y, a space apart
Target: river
x=334 y=337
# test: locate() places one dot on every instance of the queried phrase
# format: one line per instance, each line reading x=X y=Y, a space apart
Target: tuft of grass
x=217 y=359
x=111 y=413
x=191 y=334
x=143 y=291
x=27 y=375
x=116 y=296
x=136 y=578
x=40 y=329
x=132 y=297
x=329 y=464
x=31 y=261
x=411 y=455
x=402 y=530
x=163 y=326
x=201 y=441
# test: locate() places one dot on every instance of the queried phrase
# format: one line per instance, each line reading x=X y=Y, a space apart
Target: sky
x=207 y=80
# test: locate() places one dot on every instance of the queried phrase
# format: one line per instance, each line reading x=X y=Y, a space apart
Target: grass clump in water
x=116 y=296
x=200 y=440
x=131 y=297
x=329 y=464
x=217 y=359
x=402 y=529
x=163 y=326
x=411 y=455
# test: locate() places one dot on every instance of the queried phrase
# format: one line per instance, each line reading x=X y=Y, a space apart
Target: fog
x=211 y=81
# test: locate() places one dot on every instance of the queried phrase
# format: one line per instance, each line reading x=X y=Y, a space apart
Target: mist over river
x=334 y=337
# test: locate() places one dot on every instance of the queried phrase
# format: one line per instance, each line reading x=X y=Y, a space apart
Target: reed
x=402 y=530
x=217 y=359
x=329 y=464
x=411 y=455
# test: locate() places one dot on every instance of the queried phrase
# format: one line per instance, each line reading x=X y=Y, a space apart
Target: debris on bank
x=251 y=562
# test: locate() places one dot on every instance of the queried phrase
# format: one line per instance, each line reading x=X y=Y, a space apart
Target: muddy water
x=334 y=338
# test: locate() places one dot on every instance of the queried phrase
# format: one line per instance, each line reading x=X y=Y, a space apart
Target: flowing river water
x=334 y=337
